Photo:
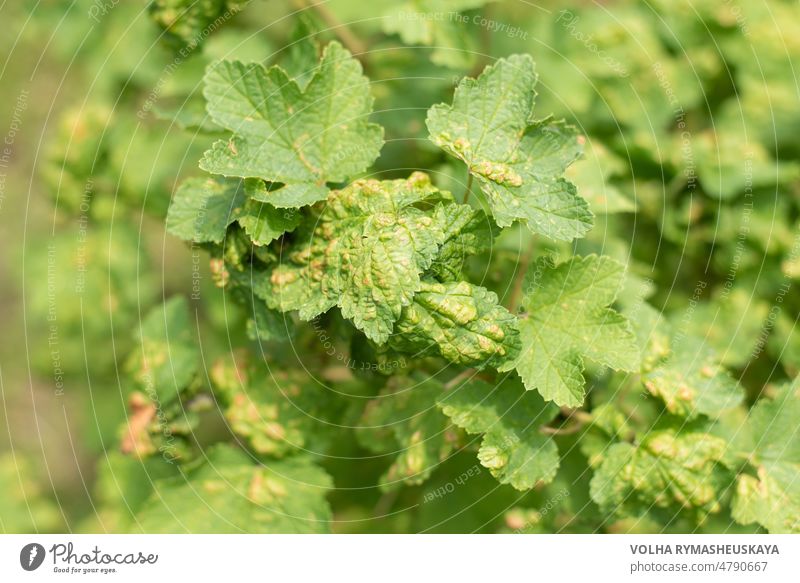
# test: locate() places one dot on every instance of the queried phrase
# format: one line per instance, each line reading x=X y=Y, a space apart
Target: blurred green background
x=690 y=108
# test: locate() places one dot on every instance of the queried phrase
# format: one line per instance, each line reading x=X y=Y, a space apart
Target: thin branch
x=577 y=419
x=465 y=198
x=519 y=278
x=348 y=38
x=384 y=505
x=459 y=378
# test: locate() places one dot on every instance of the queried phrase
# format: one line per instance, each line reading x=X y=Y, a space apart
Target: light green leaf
x=731 y=322
x=437 y=24
x=513 y=448
x=166 y=357
x=203 y=208
x=770 y=442
x=423 y=437
x=266 y=324
x=608 y=425
x=466 y=232
x=592 y=176
x=665 y=470
x=301 y=138
x=567 y=320
x=264 y=223
x=363 y=251
x=462 y=322
x=303 y=52
x=124 y=483
x=280 y=412
x=692 y=382
x=729 y=164
x=519 y=163
x=190 y=21
x=230 y=493
x=772 y=499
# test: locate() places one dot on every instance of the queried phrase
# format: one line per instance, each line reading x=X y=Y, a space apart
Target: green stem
x=459 y=378
x=516 y=290
x=576 y=420
x=465 y=198
x=348 y=38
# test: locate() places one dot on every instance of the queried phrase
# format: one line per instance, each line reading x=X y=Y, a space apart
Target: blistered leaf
x=231 y=493
x=423 y=437
x=771 y=499
x=462 y=322
x=166 y=356
x=364 y=251
x=608 y=425
x=467 y=232
x=301 y=138
x=653 y=333
x=692 y=381
x=519 y=163
x=188 y=22
x=665 y=470
x=280 y=412
x=770 y=442
x=509 y=417
x=568 y=319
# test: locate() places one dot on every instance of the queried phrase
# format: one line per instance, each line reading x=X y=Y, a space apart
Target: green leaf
x=230 y=493
x=467 y=232
x=519 y=163
x=568 y=319
x=203 y=208
x=608 y=425
x=731 y=322
x=666 y=469
x=124 y=483
x=720 y=162
x=303 y=51
x=264 y=223
x=166 y=359
x=437 y=24
x=280 y=412
x=266 y=324
x=423 y=437
x=772 y=499
x=509 y=417
x=592 y=176
x=462 y=322
x=770 y=442
x=302 y=138
x=691 y=381
x=188 y=22
x=363 y=251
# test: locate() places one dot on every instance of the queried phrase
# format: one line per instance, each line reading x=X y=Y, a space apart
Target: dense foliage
x=407 y=267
